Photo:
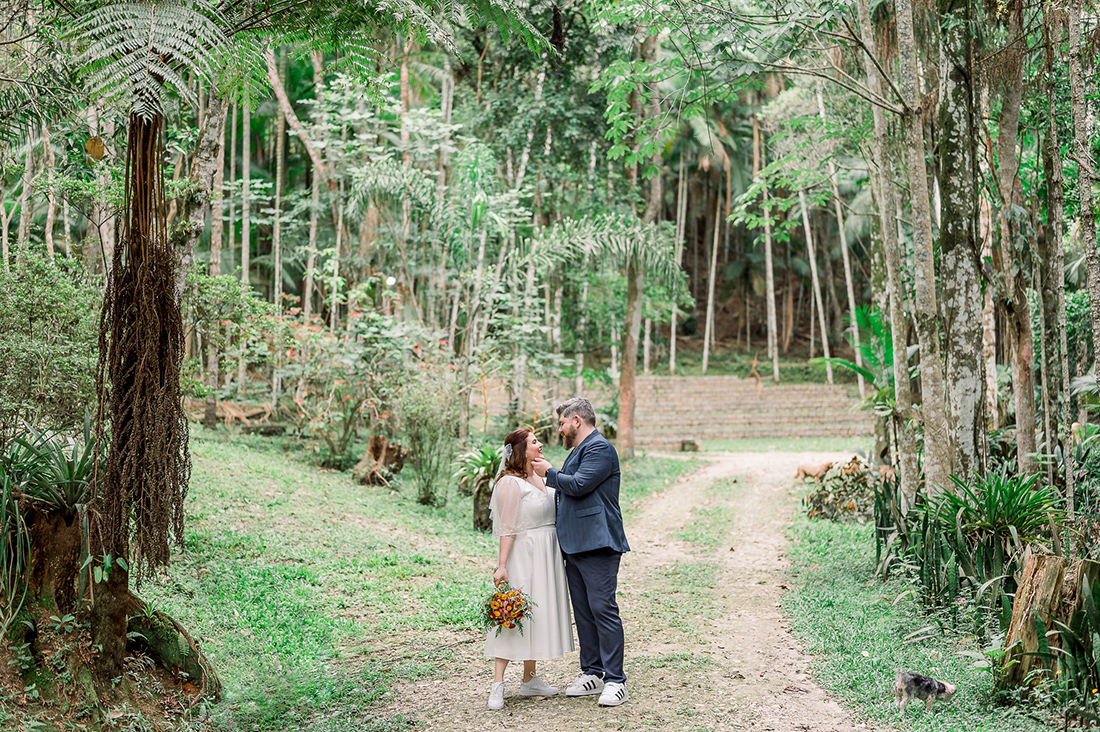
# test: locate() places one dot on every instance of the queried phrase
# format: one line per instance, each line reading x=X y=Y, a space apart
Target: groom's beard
x=567 y=439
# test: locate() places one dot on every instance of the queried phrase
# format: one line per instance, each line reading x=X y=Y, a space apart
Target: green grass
x=709 y=525
x=314 y=596
x=790 y=444
x=849 y=620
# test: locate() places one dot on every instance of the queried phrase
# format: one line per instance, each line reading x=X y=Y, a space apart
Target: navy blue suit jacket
x=587 y=487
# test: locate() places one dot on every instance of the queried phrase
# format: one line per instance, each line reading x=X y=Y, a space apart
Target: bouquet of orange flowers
x=507 y=608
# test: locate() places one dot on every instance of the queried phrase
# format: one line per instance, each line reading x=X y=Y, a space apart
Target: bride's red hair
x=517 y=463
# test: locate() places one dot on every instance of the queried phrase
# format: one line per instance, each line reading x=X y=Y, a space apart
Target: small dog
x=908 y=685
x=809 y=470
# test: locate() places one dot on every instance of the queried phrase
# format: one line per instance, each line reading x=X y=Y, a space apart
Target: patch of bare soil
x=707 y=644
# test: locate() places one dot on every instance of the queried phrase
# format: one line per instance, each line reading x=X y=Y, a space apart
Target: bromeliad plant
x=43 y=472
x=974 y=538
x=475 y=469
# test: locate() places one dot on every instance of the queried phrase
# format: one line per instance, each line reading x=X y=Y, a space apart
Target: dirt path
x=707 y=646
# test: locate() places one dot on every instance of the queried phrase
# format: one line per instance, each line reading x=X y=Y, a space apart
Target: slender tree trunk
x=246 y=220
x=635 y=284
x=51 y=206
x=5 y=231
x=962 y=295
x=711 y=277
x=883 y=187
x=246 y=193
x=937 y=450
x=1055 y=193
x=280 y=173
x=26 y=205
x=525 y=156
x=1010 y=258
x=578 y=358
x=681 y=228
x=1082 y=128
x=847 y=260
x=66 y=232
x=230 y=205
x=989 y=320
x=817 y=286
x=196 y=205
x=210 y=414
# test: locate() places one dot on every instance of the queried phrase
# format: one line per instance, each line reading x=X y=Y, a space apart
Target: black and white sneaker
x=613 y=694
x=584 y=685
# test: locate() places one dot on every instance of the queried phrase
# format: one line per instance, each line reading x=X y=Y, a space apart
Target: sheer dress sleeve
x=504 y=507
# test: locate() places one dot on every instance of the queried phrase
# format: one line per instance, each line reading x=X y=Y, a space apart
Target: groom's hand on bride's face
x=540 y=467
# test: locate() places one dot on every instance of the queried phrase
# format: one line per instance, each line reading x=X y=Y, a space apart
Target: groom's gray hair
x=580 y=407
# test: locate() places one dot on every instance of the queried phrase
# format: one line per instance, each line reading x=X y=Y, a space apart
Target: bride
x=522 y=509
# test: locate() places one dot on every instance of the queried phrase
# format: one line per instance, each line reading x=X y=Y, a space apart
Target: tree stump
x=1039 y=593
x=381 y=461
x=482 y=495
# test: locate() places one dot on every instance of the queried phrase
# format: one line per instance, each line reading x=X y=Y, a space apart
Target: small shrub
x=426 y=408
x=846 y=493
x=49 y=331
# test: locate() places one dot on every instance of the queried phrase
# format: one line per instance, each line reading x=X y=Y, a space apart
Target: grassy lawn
x=850 y=621
x=315 y=596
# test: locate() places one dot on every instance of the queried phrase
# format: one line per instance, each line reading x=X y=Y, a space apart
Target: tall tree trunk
x=962 y=292
x=1011 y=256
x=811 y=257
x=217 y=203
x=246 y=193
x=277 y=227
x=51 y=205
x=681 y=228
x=635 y=283
x=5 y=231
x=758 y=162
x=196 y=205
x=1082 y=129
x=847 y=260
x=712 y=275
x=1055 y=193
x=210 y=412
x=937 y=449
x=230 y=205
x=883 y=187
x=26 y=205
x=989 y=320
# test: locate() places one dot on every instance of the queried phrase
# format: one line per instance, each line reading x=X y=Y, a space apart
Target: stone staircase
x=703 y=408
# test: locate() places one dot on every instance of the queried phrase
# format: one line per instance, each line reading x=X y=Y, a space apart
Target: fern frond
x=138 y=52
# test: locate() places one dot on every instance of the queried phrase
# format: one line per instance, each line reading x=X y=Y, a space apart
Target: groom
x=590 y=532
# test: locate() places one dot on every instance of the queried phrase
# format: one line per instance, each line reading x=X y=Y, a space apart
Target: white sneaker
x=584 y=685
x=537 y=687
x=613 y=694
x=496 y=695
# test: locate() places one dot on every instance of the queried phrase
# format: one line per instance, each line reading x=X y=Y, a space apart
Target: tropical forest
x=802 y=297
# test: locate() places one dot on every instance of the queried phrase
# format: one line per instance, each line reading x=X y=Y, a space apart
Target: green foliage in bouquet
x=506 y=608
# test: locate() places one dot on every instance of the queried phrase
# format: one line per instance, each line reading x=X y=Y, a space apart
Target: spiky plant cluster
x=138 y=502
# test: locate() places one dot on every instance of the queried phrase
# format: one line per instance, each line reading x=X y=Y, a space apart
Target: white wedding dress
x=535 y=566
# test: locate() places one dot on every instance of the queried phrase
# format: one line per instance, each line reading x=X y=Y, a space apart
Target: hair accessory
x=505 y=454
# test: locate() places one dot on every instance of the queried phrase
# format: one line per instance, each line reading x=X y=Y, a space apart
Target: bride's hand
x=501 y=575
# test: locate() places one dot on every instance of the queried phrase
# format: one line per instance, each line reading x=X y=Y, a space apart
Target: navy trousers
x=593 y=577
